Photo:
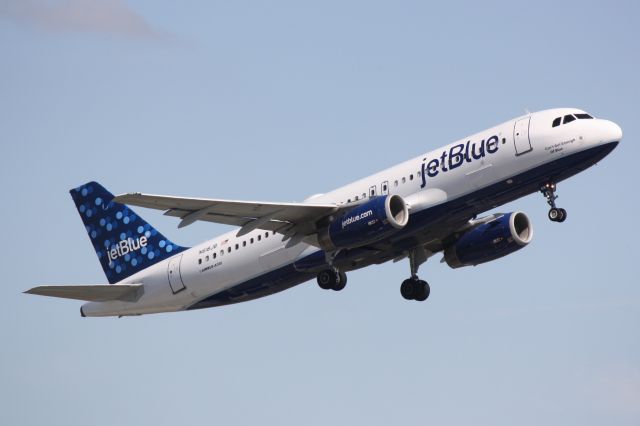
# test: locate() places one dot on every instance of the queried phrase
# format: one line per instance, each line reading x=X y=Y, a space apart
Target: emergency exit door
x=384 y=188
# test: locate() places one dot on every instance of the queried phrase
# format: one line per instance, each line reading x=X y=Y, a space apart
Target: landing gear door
x=173 y=273
x=521 y=136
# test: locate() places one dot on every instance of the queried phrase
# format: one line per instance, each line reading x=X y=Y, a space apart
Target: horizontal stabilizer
x=91 y=293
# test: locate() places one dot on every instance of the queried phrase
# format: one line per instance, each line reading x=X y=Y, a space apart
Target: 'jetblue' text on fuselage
x=455 y=156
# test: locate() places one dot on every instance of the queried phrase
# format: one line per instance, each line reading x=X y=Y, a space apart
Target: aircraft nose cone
x=613 y=132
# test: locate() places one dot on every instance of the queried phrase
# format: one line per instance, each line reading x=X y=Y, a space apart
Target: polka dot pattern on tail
x=123 y=241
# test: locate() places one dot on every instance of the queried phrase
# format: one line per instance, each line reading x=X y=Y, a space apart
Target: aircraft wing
x=91 y=293
x=287 y=218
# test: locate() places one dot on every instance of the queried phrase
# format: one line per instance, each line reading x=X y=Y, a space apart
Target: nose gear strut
x=555 y=214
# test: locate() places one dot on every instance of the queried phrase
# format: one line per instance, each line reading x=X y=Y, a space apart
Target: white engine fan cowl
x=397 y=211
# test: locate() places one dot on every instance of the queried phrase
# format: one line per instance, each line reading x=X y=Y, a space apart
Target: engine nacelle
x=490 y=240
x=366 y=223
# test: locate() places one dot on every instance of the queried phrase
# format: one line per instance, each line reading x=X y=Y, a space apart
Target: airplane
x=427 y=205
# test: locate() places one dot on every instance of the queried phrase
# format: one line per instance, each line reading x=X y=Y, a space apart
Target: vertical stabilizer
x=124 y=242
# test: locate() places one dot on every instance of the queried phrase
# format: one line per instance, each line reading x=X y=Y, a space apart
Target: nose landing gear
x=555 y=214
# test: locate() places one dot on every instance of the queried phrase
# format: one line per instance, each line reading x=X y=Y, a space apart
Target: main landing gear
x=332 y=279
x=411 y=289
x=414 y=288
x=555 y=214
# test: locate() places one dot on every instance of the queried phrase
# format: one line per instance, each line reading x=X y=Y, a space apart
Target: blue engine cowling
x=490 y=240
x=366 y=223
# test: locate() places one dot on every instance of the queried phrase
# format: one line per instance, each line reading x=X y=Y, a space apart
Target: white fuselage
x=455 y=170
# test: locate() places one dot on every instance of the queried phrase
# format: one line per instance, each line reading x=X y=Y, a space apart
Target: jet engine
x=490 y=240
x=365 y=224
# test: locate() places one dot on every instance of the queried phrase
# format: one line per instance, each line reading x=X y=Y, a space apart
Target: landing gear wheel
x=327 y=278
x=563 y=215
x=341 y=282
x=422 y=291
x=556 y=214
x=330 y=279
x=408 y=289
x=415 y=289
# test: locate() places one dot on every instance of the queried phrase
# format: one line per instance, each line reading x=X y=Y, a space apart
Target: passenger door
x=521 y=136
x=173 y=273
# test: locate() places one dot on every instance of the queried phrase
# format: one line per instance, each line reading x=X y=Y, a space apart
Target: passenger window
x=266 y=235
x=244 y=244
x=583 y=116
x=221 y=252
x=206 y=259
x=556 y=122
x=237 y=246
x=349 y=200
x=357 y=198
x=384 y=187
x=395 y=183
x=229 y=250
x=411 y=176
x=215 y=255
x=404 y=180
x=373 y=192
x=419 y=174
x=251 y=240
x=259 y=237
x=199 y=261
x=364 y=195
x=568 y=119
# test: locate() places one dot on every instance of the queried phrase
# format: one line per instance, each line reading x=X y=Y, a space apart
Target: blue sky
x=277 y=101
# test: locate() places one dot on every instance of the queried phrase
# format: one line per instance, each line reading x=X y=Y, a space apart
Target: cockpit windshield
x=583 y=116
x=569 y=118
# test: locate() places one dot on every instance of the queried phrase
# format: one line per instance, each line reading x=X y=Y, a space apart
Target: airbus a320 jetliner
x=421 y=207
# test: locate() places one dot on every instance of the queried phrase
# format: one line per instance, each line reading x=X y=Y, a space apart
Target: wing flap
x=91 y=293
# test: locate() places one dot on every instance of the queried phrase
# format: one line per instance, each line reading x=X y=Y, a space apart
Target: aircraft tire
x=408 y=289
x=340 y=282
x=563 y=215
x=327 y=279
x=422 y=291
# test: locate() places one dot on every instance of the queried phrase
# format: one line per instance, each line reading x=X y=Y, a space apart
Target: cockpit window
x=569 y=118
x=583 y=116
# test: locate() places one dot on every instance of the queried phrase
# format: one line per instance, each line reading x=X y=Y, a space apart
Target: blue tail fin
x=124 y=242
